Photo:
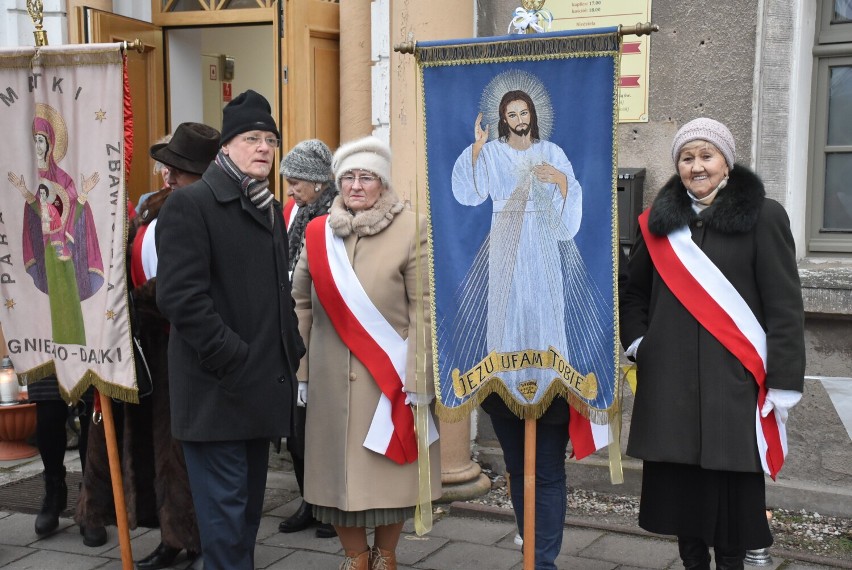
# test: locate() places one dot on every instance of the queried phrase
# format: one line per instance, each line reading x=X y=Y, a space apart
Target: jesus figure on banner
x=537 y=210
x=537 y=202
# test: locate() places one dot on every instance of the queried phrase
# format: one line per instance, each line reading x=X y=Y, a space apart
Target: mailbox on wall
x=631 y=182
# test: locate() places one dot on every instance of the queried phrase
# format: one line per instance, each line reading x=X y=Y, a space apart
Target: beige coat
x=342 y=395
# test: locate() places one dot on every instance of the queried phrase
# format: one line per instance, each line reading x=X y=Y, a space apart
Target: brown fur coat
x=155 y=480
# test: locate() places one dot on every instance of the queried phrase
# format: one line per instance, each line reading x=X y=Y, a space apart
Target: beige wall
x=355 y=70
x=409 y=19
x=252 y=49
x=192 y=95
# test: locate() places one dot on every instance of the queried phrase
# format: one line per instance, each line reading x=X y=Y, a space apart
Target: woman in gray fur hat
x=311 y=189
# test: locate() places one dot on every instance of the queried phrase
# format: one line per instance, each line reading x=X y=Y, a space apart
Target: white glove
x=781 y=401
x=413 y=398
x=302 y=396
x=630 y=353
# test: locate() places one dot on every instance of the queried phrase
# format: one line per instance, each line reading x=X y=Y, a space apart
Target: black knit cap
x=249 y=111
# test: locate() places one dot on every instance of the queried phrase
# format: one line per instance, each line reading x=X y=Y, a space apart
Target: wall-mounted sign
x=226 y=92
x=214 y=72
x=585 y=14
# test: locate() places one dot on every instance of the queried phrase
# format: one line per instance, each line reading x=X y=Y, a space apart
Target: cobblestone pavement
x=464 y=536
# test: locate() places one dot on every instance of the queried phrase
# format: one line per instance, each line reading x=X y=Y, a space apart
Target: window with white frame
x=830 y=217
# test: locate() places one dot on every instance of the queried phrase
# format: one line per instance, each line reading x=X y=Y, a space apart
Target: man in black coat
x=234 y=345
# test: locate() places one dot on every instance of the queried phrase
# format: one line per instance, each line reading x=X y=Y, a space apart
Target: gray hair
x=158 y=166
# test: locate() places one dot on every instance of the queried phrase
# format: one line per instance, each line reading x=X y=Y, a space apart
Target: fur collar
x=735 y=209
x=367 y=222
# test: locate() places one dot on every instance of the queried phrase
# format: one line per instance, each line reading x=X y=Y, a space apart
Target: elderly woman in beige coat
x=358 y=298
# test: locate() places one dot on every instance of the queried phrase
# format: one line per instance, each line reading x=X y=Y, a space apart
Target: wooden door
x=147 y=88
x=311 y=94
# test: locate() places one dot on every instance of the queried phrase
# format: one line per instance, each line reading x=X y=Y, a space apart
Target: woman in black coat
x=713 y=316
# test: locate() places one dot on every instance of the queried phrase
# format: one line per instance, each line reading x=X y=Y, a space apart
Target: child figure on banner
x=61 y=253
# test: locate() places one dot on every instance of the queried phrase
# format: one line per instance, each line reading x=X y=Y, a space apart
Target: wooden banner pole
x=117 y=484
x=529 y=493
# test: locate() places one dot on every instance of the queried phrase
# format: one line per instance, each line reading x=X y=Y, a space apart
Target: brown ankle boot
x=382 y=559
x=356 y=561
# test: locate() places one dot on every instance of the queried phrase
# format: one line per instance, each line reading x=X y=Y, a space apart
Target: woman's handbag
x=144 y=382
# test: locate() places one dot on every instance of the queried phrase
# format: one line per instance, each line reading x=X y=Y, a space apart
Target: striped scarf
x=257 y=191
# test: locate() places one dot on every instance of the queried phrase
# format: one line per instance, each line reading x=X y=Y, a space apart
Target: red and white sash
x=368 y=335
x=714 y=302
x=290 y=209
x=586 y=436
x=143 y=256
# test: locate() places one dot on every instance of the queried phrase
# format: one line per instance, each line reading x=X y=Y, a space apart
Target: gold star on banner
x=10 y=303
x=110 y=314
x=100 y=115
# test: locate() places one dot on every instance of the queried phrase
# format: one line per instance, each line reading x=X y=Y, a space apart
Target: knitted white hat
x=368 y=153
x=707 y=130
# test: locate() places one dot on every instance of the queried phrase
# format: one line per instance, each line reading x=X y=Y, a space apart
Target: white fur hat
x=368 y=153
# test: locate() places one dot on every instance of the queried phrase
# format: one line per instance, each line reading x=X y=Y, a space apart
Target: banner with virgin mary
x=521 y=172
x=64 y=211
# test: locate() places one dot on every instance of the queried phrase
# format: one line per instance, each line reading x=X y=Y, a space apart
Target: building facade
x=777 y=72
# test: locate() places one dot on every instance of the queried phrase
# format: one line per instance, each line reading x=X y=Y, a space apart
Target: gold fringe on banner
x=100 y=54
x=90 y=378
x=521 y=409
x=62 y=56
x=530 y=48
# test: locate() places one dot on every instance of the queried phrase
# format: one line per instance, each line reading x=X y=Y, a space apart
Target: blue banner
x=521 y=171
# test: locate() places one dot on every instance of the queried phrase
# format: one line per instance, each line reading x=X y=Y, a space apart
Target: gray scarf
x=296 y=232
x=257 y=191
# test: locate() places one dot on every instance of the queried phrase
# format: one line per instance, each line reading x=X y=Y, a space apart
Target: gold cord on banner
x=35 y=9
x=423 y=509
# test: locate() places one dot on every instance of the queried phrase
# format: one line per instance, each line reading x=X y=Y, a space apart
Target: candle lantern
x=8 y=383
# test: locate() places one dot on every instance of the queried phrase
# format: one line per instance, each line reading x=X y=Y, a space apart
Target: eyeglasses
x=253 y=140
x=363 y=180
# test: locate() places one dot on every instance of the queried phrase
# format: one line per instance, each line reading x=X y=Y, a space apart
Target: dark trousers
x=550 y=489
x=51 y=436
x=228 y=480
x=695 y=555
x=296 y=447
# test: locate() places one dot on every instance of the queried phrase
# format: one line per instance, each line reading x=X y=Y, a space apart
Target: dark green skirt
x=370 y=518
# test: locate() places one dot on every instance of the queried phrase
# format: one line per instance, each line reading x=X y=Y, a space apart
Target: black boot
x=94 y=536
x=730 y=559
x=325 y=530
x=55 y=501
x=694 y=553
x=162 y=557
x=300 y=520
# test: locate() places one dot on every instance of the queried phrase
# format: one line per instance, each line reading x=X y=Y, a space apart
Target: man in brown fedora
x=187 y=155
x=148 y=424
